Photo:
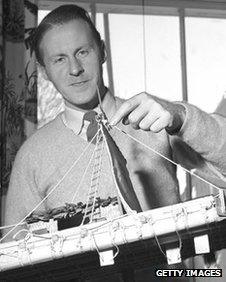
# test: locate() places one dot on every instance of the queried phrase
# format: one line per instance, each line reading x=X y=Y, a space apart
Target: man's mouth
x=79 y=83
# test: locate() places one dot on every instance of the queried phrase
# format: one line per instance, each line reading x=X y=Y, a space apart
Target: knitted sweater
x=47 y=155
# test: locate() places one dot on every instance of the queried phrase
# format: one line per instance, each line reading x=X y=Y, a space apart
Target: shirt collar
x=74 y=118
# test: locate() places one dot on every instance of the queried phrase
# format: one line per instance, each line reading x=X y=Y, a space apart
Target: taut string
x=191 y=172
x=51 y=191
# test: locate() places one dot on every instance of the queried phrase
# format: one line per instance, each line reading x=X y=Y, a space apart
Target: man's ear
x=43 y=71
x=103 y=52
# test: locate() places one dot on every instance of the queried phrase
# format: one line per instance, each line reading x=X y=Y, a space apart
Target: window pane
x=162 y=48
x=206 y=61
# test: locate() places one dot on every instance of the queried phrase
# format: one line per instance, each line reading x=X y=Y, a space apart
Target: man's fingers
x=155 y=121
x=161 y=123
x=126 y=108
x=144 y=112
x=147 y=121
x=137 y=115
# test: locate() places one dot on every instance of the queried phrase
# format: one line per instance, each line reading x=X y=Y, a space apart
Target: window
x=146 y=52
x=206 y=61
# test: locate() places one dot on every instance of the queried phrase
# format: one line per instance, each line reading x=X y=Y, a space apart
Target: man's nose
x=76 y=67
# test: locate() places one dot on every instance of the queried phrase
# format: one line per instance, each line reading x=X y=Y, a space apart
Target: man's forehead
x=77 y=29
x=74 y=33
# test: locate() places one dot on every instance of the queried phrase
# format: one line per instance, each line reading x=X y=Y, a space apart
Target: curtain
x=18 y=78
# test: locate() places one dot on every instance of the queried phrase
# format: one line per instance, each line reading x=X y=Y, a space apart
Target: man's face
x=72 y=63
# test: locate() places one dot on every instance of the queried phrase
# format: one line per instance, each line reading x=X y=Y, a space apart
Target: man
x=71 y=53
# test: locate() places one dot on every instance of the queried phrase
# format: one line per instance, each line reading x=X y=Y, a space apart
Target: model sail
x=121 y=174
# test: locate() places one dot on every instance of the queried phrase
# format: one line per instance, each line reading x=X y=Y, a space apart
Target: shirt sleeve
x=201 y=144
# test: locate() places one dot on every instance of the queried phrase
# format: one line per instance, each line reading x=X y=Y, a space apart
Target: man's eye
x=83 y=53
x=58 y=60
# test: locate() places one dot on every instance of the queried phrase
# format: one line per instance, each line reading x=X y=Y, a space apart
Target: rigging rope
x=191 y=172
x=85 y=171
x=51 y=191
x=144 y=45
x=92 y=186
x=99 y=140
x=21 y=222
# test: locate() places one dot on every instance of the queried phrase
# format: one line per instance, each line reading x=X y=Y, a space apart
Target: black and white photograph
x=113 y=140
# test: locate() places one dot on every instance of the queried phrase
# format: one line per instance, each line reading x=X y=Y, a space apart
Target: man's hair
x=61 y=15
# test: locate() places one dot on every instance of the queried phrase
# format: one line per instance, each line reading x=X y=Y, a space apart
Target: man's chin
x=89 y=105
x=86 y=104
